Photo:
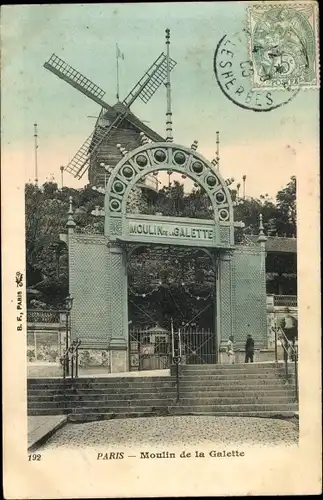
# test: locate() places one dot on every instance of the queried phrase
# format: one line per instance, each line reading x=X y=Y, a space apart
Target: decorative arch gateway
x=124 y=229
x=149 y=159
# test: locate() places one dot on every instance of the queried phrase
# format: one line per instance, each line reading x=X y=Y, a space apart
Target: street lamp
x=68 y=307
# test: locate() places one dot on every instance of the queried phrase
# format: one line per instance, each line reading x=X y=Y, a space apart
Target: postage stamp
x=283 y=41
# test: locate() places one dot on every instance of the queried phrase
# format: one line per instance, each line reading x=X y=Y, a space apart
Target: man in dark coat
x=250 y=349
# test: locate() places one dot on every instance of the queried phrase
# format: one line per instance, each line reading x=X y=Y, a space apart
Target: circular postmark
x=233 y=71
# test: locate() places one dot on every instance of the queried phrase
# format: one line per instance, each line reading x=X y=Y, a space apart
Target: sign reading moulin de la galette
x=175 y=230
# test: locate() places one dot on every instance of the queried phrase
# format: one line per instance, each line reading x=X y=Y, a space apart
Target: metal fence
x=289 y=356
x=198 y=346
x=285 y=300
x=45 y=316
x=152 y=349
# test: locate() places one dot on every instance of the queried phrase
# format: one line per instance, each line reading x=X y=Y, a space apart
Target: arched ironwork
x=155 y=157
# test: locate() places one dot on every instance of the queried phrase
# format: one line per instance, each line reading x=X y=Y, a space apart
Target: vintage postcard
x=160 y=249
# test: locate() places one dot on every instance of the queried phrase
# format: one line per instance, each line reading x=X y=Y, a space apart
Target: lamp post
x=244 y=177
x=68 y=306
x=62 y=176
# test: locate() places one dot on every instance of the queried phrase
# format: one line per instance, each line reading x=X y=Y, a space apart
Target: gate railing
x=51 y=316
x=285 y=300
x=69 y=359
x=176 y=355
x=198 y=346
x=290 y=351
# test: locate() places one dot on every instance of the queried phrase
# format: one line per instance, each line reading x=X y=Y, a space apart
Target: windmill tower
x=117 y=129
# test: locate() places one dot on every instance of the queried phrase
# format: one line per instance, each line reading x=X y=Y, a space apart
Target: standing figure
x=230 y=350
x=250 y=349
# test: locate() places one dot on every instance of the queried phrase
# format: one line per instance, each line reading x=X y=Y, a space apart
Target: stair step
x=232 y=376
x=99 y=399
x=256 y=383
x=243 y=369
x=236 y=366
x=88 y=394
x=218 y=392
x=101 y=385
x=103 y=402
x=107 y=380
x=265 y=414
x=97 y=392
x=135 y=411
x=237 y=407
x=197 y=400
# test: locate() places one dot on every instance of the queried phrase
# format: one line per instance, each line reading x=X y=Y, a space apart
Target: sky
x=266 y=147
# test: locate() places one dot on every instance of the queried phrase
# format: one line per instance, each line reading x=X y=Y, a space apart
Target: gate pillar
x=250 y=304
x=118 y=308
x=224 y=301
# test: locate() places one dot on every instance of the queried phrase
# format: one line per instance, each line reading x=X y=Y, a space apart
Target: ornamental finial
x=194 y=145
x=122 y=150
x=169 y=122
x=217 y=153
x=143 y=139
x=70 y=220
x=261 y=238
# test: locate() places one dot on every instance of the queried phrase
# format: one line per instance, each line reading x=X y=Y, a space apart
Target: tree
x=279 y=218
x=46 y=215
x=286 y=205
x=248 y=211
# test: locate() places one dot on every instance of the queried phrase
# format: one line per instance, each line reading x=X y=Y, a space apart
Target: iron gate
x=198 y=346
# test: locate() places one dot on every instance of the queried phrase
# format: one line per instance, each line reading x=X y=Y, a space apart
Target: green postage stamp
x=284 y=45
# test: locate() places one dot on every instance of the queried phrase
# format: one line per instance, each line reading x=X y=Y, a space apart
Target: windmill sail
x=150 y=82
x=80 y=162
x=70 y=75
x=144 y=89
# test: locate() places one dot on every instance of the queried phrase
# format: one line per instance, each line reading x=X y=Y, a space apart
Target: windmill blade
x=70 y=75
x=144 y=89
x=89 y=149
x=151 y=81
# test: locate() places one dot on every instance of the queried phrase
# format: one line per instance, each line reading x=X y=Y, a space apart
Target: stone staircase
x=236 y=390
x=231 y=390
x=102 y=396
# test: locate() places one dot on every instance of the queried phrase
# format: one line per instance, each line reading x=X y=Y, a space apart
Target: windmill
x=146 y=87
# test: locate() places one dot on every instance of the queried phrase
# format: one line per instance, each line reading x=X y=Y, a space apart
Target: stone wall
x=249 y=296
x=90 y=282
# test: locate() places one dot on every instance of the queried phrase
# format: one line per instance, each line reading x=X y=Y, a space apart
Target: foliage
x=165 y=282
x=46 y=256
x=286 y=205
x=279 y=218
x=172 y=201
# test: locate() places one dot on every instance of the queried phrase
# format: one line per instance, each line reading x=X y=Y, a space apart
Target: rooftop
x=278 y=243
x=135 y=121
